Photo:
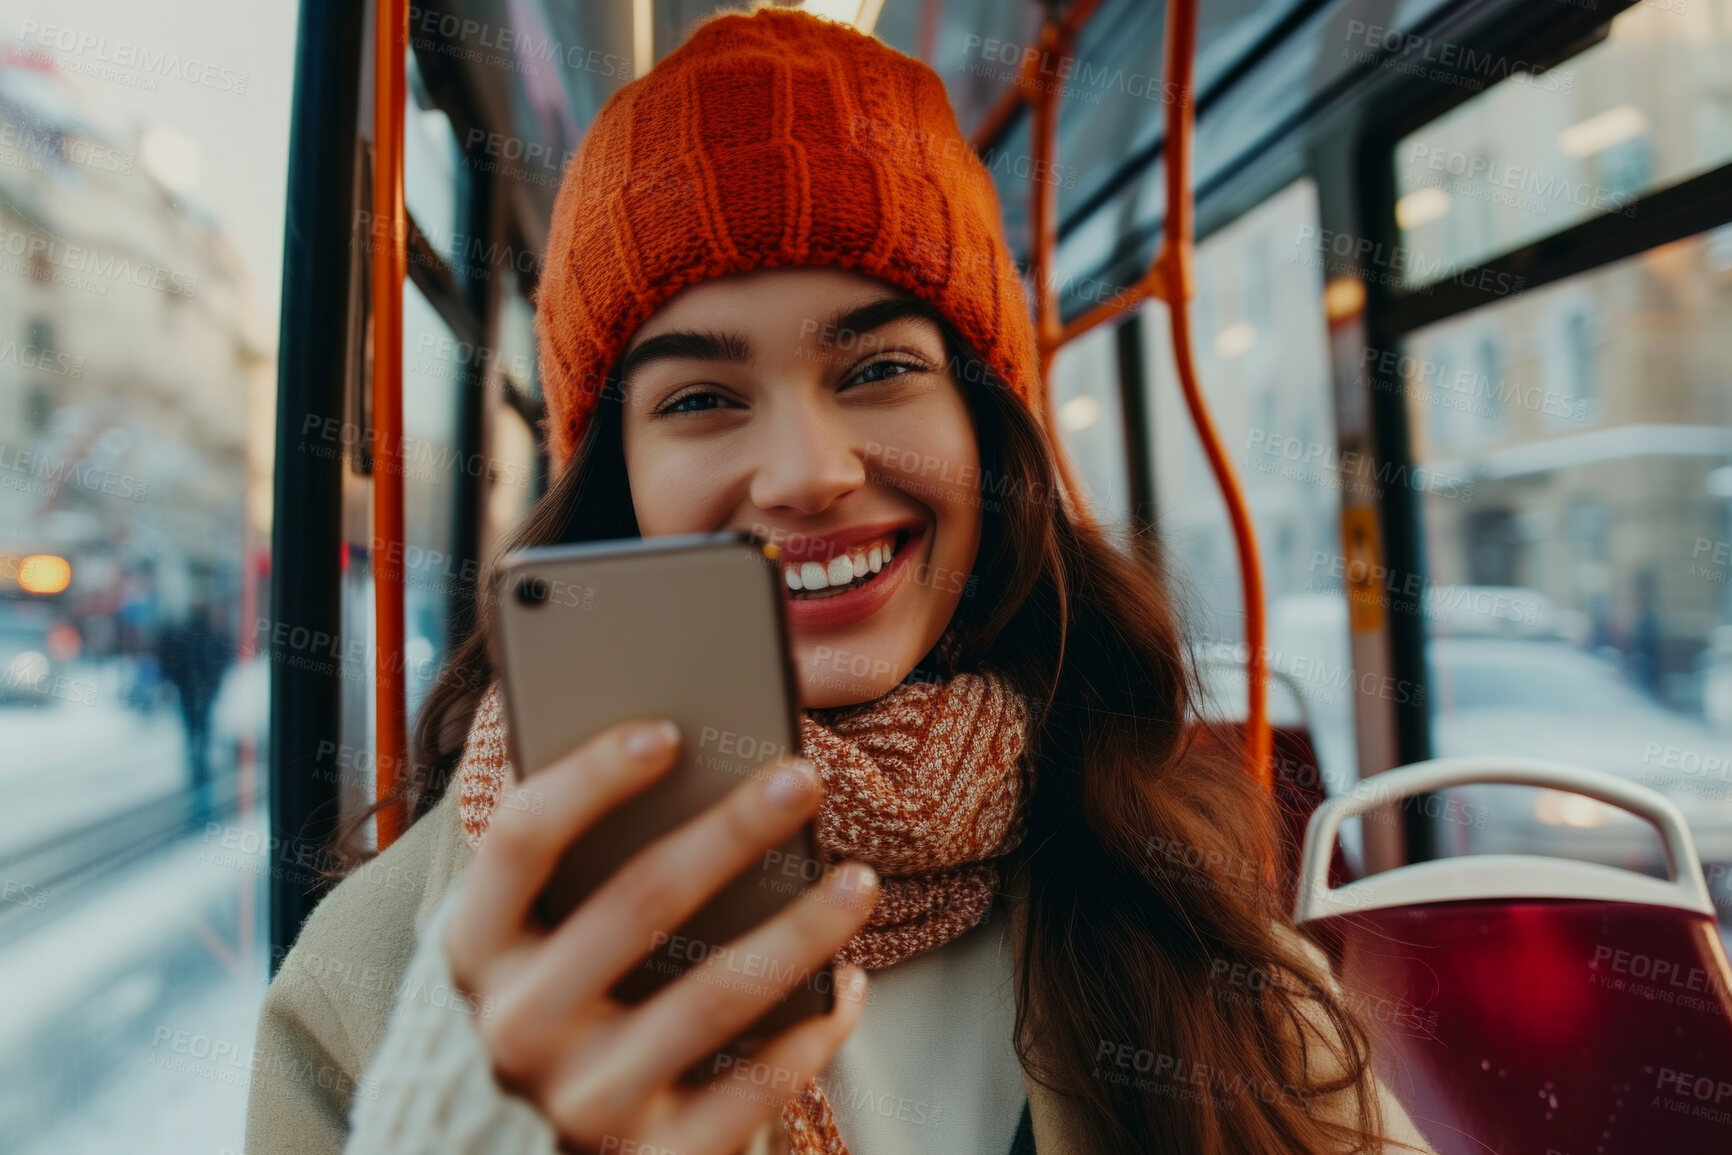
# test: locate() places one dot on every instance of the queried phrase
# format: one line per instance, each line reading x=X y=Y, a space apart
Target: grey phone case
x=689 y=627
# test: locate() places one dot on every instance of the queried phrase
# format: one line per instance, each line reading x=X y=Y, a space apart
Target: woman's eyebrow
x=859 y=319
x=688 y=345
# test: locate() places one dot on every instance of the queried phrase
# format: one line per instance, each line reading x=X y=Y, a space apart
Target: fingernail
x=791 y=784
x=853 y=981
x=652 y=739
x=861 y=878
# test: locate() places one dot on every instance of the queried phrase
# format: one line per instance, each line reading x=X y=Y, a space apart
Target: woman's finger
x=537 y=820
x=746 y=1092
x=738 y=983
x=666 y=882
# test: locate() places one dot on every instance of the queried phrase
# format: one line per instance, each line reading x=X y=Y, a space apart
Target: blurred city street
x=135 y=928
x=68 y=766
x=143 y=987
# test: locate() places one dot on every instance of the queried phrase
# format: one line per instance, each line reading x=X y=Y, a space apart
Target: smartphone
x=689 y=627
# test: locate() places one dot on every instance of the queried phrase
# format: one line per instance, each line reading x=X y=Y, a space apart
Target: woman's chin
x=828 y=677
x=832 y=692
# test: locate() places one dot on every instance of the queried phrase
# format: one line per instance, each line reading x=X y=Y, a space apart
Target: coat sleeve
x=430 y=1088
x=327 y=1007
x=427 y=1087
x=303 y=1074
x=364 y=1045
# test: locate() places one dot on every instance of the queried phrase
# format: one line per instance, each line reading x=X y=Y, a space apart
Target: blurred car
x=1545 y=698
x=26 y=672
x=1507 y=676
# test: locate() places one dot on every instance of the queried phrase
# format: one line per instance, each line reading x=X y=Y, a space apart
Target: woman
x=777 y=298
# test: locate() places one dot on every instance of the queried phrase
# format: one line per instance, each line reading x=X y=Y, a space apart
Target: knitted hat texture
x=769 y=140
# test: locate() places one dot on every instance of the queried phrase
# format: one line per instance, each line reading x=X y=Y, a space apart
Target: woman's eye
x=690 y=402
x=882 y=370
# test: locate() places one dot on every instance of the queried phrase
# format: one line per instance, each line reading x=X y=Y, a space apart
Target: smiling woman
x=835 y=440
x=998 y=717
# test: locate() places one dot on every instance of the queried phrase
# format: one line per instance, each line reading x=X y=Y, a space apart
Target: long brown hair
x=1176 y=1011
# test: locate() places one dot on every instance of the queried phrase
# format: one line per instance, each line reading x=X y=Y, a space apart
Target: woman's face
x=808 y=407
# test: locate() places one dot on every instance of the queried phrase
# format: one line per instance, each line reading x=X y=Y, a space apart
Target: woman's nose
x=804 y=458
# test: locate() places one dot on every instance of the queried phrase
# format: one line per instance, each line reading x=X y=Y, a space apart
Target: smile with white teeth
x=847 y=570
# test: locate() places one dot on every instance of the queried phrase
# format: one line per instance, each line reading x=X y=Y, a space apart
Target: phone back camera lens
x=532 y=591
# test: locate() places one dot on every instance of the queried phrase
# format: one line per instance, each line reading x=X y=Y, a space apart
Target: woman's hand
x=607 y=1075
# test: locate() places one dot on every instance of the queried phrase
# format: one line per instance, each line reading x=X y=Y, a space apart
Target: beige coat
x=327 y=1009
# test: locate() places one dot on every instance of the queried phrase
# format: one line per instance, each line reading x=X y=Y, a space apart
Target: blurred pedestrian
x=193 y=654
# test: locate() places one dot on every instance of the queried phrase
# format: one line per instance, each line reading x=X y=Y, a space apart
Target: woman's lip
x=845 y=609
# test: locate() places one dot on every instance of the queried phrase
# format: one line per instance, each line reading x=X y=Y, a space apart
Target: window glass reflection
x=434 y=177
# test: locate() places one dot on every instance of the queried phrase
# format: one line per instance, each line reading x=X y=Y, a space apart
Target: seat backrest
x=1299 y=791
x=1529 y=1005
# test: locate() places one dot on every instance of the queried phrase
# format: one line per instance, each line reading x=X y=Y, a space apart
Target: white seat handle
x=1498 y=875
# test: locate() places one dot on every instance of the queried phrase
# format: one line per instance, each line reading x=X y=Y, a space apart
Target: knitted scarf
x=925 y=783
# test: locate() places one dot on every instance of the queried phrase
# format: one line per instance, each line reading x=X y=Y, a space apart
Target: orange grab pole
x=1171 y=277
x=1176 y=262
x=389 y=267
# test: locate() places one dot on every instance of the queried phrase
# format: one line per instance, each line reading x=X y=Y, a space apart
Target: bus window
x=1578 y=606
x=1262 y=353
x=1085 y=392
x=1535 y=154
x=435 y=179
x=143 y=173
x=514 y=483
x=1570 y=443
x=435 y=476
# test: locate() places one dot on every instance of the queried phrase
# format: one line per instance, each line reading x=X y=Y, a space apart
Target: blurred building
x=136 y=374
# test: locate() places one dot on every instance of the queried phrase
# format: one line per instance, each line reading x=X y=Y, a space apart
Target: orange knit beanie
x=769 y=140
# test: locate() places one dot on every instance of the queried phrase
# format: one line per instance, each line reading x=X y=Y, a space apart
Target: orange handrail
x=389 y=266
x=1170 y=277
x=1176 y=262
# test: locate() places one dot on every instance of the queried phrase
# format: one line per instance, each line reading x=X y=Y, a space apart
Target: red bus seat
x=1535 y=1006
x=1299 y=791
